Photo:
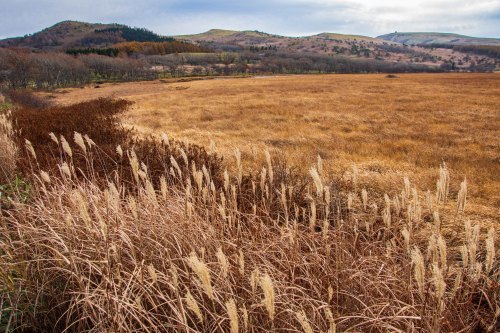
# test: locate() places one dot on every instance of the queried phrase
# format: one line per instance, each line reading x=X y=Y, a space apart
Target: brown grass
x=8 y=150
x=96 y=123
x=84 y=257
x=177 y=243
x=387 y=127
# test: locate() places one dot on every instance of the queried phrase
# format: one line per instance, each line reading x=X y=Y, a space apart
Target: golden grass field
x=387 y=127
x=104 y=230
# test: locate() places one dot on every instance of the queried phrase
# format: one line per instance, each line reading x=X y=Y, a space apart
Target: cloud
x=291 y=17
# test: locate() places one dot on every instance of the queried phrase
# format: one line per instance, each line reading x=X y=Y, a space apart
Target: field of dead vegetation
x=273 y=204
x=386 y=128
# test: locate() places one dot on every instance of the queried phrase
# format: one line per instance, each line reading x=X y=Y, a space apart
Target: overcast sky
x=287 y=17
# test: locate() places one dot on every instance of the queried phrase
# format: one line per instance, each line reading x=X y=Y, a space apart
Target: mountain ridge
x=426 y=38
x=447 y=51
x=69 y=33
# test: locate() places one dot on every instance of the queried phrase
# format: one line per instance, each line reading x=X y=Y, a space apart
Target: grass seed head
x=193 y=306
x=232 y=313
x=266 y=283
x=302 y=319
x=202 y=272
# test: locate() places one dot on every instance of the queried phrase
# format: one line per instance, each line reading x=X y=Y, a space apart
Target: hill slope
x=457 y=52
x=393 y=48
x=347 y=37
x=411 y=38
x=70 y=34
x=57 y=36
x=222 y=33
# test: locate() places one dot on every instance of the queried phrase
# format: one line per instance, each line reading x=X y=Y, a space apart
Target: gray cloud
x=292 y=17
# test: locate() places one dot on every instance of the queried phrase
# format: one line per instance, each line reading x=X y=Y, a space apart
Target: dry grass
x=387 y=127
x=8 y=150
x=268 y=251
x=82 y=257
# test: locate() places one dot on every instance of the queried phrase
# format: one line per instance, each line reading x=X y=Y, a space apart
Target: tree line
x=109 y=51
x=140 y=48
x=24 y=69
x=135 y=34
x=277 y=63
x=159 y=48
x=492 y=51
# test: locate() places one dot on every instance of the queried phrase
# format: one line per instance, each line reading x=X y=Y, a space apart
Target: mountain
x=454 y=52
x=73 y=34
x=323 y=43
x=330 y=35
x=406 y=48
x=221 y=33
x=57 y=36
x=426 y=38
x=255 y=37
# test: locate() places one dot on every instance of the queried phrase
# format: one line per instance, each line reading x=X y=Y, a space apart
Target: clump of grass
x=96 y=129
x=26 y=98
x=8 y=149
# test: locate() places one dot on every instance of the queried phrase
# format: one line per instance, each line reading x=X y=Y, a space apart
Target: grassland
x=104 y=229
x=388 y=128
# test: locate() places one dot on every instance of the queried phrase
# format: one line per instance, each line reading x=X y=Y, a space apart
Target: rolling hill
x=330 y=35
x=407 y=48
x=396 y=48
x=251 y=37
x=222 y=33
x=413 y=38
x=71 y=34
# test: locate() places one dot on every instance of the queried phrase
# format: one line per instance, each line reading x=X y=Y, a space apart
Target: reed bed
x=195 y=245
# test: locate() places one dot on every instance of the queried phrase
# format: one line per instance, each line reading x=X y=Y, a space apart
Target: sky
x=480 y=18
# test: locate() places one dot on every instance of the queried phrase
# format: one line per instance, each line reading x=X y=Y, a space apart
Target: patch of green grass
x=5 y=106
x=17 y=190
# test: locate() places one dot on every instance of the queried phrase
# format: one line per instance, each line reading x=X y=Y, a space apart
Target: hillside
x=73 y=34
x=413 y=38
x=331 y=35
x=57 y=36
x=391 y=48
x=222 y=33
x=257 y=38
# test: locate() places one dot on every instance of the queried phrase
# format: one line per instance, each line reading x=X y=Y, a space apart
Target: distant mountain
x=454 y=52
x=259 y=36
x=221 y=33
x=231 y=40
x=330 y=35
x=426 y=38
x=394 y=48
x=74 y=34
